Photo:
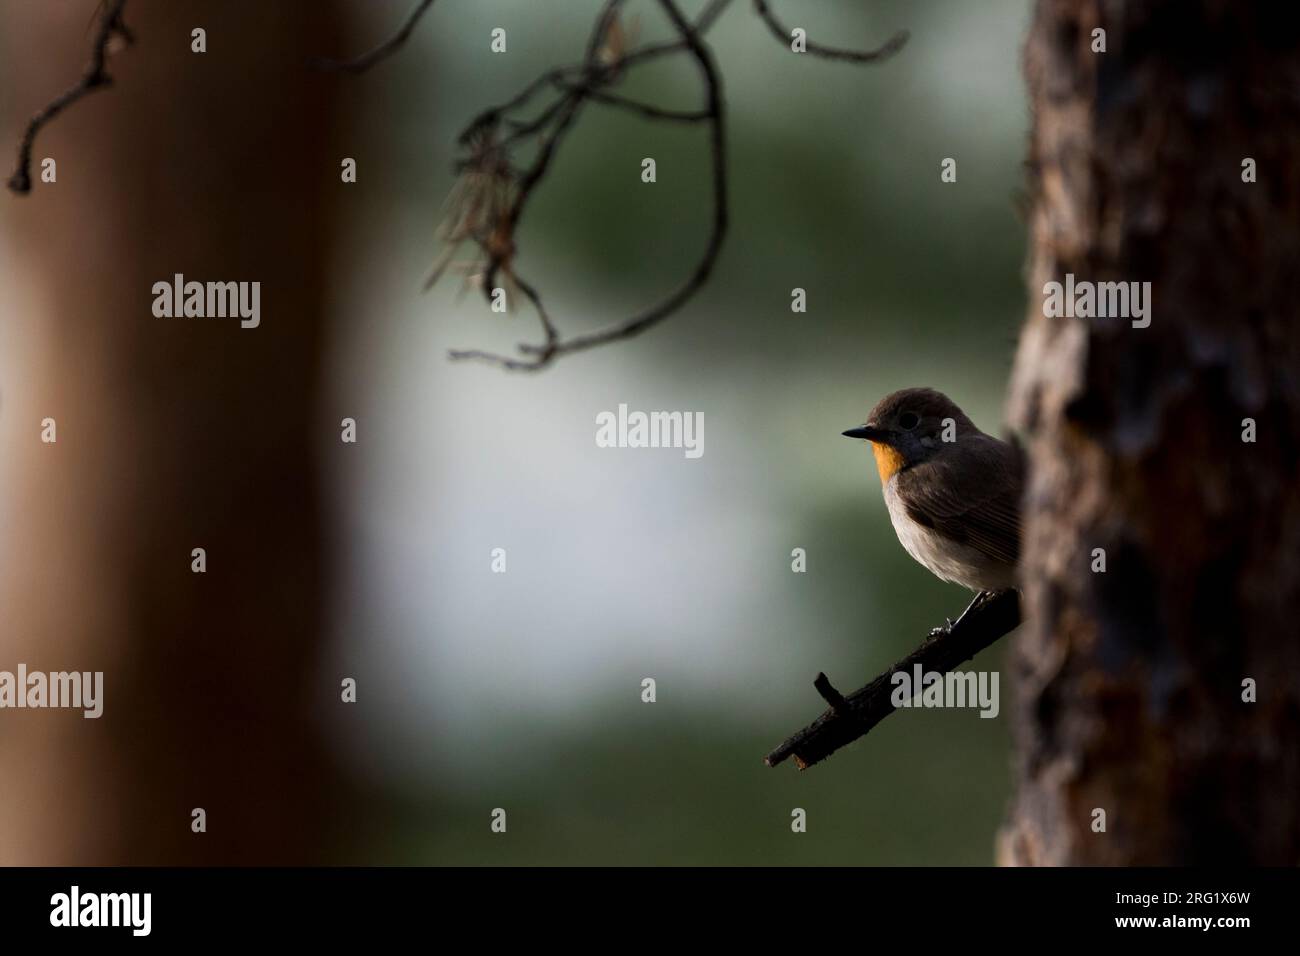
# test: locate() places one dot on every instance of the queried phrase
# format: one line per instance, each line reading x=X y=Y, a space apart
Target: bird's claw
x=942 y=631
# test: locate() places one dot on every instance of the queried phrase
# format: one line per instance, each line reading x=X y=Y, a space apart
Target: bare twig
x=495 y=189
x=711 y=13
x=822 y=684
x=544 y=353
x=648 y=110
x=94 y=77
x=718 y=149
x=365 y=61
x=892 y=45
x=605 y=63
x=852 y=717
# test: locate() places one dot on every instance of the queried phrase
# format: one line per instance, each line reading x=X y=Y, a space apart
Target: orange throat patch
x=888 y=461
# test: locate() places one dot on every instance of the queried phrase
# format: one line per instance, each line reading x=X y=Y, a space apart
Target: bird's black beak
x=869 y=432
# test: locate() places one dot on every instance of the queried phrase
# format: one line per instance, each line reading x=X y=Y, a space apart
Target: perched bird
x=953 y=492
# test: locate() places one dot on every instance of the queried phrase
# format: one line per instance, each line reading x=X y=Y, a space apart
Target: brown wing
x=980 y=506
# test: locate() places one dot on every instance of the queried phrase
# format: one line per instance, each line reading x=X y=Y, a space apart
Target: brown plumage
x=953 y=492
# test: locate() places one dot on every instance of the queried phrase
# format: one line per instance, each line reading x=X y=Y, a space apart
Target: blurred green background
x=522 y=690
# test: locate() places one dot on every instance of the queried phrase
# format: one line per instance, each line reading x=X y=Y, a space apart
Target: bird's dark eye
x=908 y=420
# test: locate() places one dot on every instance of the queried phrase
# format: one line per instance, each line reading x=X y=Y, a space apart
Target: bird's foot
x=942 y=631
x=948 y=627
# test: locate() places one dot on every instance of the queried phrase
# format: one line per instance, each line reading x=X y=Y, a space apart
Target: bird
x=953 y=492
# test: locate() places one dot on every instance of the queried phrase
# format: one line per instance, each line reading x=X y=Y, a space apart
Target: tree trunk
x=172 y=434
x=1131 y=680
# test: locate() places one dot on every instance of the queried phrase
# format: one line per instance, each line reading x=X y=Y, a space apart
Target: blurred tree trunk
x=173 y=434
x=1131 y=680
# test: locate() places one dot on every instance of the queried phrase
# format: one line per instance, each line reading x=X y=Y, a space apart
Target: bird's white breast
x=946 y=559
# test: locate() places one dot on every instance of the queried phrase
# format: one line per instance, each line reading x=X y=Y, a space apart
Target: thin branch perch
x=854 y=716
x=94 y=77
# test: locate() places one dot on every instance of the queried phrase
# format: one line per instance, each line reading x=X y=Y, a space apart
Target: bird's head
x=910 y=426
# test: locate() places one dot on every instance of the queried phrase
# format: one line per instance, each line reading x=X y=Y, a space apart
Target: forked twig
x=94 y=77
x=494 y=191
x=851 y=717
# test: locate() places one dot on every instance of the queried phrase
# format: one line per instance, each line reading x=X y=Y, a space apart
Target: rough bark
x=1130 y=681
x=173 y=433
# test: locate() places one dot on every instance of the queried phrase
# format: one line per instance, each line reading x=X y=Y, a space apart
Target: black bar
x=331 y=906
